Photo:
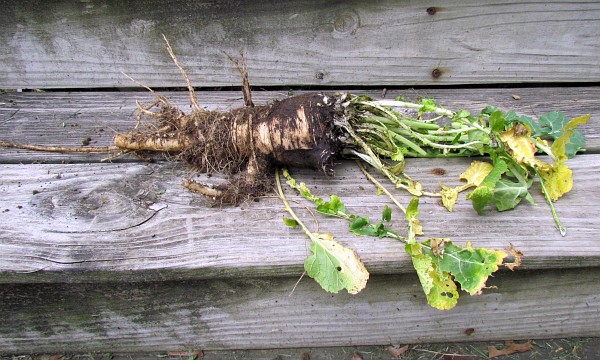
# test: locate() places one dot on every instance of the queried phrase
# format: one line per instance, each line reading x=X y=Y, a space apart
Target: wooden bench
x=118 y=256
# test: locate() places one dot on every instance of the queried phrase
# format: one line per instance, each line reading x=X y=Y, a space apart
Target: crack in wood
x=110 y=230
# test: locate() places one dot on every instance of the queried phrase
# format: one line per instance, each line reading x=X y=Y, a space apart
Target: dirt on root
x=244 y=143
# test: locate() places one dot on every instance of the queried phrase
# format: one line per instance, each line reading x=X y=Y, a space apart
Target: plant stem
x=395 y=136
x=403 y=104
x=288 y=208
x=379 y=186
x=561 y=228
x=545 y=149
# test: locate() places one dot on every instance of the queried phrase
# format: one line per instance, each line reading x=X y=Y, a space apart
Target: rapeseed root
x=244 y=143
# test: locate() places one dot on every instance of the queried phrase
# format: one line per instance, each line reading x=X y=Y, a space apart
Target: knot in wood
x=347 y=22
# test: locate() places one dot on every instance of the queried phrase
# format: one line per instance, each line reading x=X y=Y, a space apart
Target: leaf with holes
x=439 y=289
x=468 y=266
x=335 y=267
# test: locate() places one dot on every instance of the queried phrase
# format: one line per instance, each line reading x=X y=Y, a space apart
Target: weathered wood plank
x=88 y=44
x=50 y=118
x=270 y=313
x=135 y=222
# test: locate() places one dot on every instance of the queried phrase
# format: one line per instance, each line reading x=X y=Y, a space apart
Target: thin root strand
x=187 y=79
x=60 y=149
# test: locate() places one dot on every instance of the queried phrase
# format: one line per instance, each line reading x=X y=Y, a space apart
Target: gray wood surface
x=133 y=221
x=70 y=44
x=67 y=118
x=126 y=222
x=98 y=256
x=269 y=313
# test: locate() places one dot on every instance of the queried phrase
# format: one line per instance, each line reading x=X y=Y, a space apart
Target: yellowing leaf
x=520 y=144
x=424 y=266
x=449 y=196
x=414 y=225
x=484 y=193
x=415 y=188
x=335 y=267
x=469 y=267
x=559 y=145
x=444 y=294
x=476 y=172
x=417 y=228
x=438 y=286
x=558 y=180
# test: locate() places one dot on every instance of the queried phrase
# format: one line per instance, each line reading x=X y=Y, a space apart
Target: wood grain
x=119 y=256
x=135 y=222
x=68 y=118
x=266 y=313
x=65 y=44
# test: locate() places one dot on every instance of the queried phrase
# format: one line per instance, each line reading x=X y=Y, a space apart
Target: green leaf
x=386 y=215
x=412 y=210
x=428 y=106
x=508 y=194
x=368 y=230
x=497 y=121
x=576 y=143
x=552 y=123
x=358 y=223
x=559 y=147
x=398 y=168
x=398 y=155
x=290 y=222
x=484 y=193
x=489 y=110
x=439 y=263
x=535 y=128
x=480 y=136
x=333 y=207
x=462 y=114
x=335 y=267
x=556 y=124
x=469 y=267
x=456 y=139
x=362 y=226
x=481 y=197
